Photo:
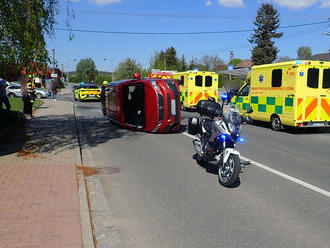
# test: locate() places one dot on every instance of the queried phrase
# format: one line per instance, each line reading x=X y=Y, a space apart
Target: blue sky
x=180 y=16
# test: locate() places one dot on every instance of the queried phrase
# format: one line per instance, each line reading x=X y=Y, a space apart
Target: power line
x=161 y=15
x=177 y=15
x=182 y=33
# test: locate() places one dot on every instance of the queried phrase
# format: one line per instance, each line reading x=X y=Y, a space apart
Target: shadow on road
x=213 y=169
x=96 y=131
x=57 y=133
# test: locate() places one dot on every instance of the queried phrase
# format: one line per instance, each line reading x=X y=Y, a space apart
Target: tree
x=192 y=64
x=266 y=23
x=235 y=62
x=208 y=63
x=165 y=60
x=86 y=70
x=182 y=64
x=127 y=68
x=23 y=24
x=304 y=52
x=284 y=59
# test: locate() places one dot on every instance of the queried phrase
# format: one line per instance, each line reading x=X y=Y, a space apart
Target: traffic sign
x=53 y=75
x=230 y=68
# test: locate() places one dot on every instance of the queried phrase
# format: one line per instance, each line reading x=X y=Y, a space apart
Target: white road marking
x=281 y=174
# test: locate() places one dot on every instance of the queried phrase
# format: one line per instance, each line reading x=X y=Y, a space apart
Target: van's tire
x=38 y=96
x=11 y=95
x=275 y=123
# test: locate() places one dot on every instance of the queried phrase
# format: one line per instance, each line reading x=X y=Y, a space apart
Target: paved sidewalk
x=39 y=205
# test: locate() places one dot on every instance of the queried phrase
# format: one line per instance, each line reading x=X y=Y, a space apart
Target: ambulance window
x=313 y=78
x=199 y=81
x=245 y=91
x=208 y=81
x=181 y=81
x=326 y=79
x=277 y=78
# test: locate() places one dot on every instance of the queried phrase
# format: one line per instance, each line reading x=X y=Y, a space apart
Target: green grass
x=16 y=107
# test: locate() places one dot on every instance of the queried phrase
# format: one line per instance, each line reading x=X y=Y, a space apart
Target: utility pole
x=53 y=60
x=231 y=57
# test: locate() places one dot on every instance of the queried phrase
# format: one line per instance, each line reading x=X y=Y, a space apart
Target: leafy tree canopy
x=86 y=70
x=23 y=24
x=235 y=62
x=165 y=60
x=127 y=68
x=304 y=52
x=266 y=23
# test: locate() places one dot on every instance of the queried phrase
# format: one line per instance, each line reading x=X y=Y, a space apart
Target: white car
x=15 y=91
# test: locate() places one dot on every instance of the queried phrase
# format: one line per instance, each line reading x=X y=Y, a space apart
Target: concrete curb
x=85 y=218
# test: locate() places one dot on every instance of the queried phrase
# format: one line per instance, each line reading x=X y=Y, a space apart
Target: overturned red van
x=151 y=105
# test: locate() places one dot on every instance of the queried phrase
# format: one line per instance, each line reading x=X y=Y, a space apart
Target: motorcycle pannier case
x=208 y=108
x=193 y=125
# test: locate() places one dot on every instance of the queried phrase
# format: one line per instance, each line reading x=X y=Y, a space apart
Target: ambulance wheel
x=275 y=123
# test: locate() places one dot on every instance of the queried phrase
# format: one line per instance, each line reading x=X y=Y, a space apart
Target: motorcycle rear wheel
x=228 y=173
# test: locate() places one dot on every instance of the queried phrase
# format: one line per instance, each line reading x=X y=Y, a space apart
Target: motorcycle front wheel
x=229 y=172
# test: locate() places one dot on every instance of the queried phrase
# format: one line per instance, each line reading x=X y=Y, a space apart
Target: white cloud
x=325 y=4
x=300 y=4
x=208 y=3
x=104 y=2
x=231 y=3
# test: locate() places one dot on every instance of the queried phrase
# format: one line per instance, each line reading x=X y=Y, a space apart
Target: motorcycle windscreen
x=134 y=112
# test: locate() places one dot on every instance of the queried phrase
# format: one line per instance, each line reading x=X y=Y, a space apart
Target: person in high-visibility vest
x=28 y=96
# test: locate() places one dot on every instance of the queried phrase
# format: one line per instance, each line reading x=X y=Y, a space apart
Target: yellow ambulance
x=295 y=93
x=195 y=86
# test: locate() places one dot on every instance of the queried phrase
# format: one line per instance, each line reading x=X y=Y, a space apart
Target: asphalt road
x=160 y=197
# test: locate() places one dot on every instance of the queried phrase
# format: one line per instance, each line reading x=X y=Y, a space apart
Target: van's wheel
x=38 y=96
x=11 y=95
x=275 y=123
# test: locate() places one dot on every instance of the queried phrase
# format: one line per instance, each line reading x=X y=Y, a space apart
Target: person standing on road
x=54 y=90
x=4 y=98
x=28 y=96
